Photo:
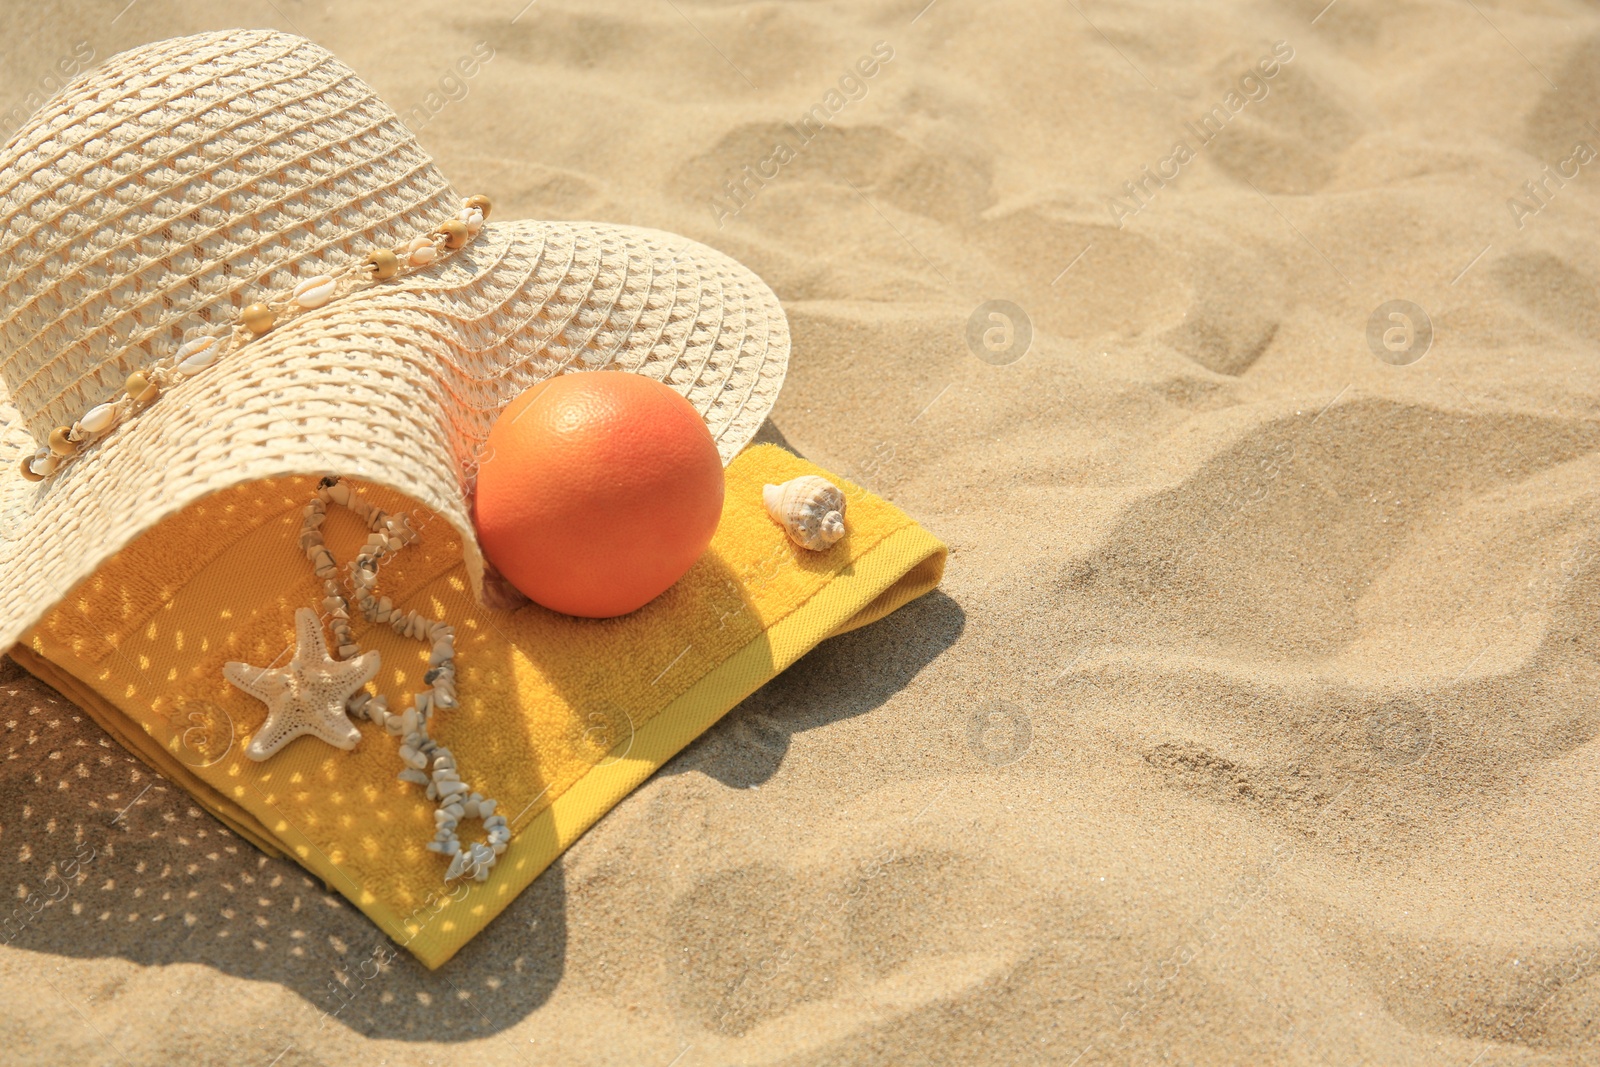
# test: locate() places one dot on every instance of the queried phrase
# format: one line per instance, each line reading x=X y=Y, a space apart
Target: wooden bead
x=479 y=202
x=27 y=469
x=454 y=233
x=257 y=318
x=383 y=264
x=59 y=443
x=141 y=388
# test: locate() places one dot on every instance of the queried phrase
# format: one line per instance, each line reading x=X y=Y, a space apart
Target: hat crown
x=179 y=181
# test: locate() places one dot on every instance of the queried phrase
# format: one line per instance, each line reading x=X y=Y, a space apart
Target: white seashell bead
x=420 y=252
x=474 y=220
x=456 y=865
x=198 y=354
x=45 y=464
x=483 y=856
x=810 y=510
x=314 y=292
x=100 y=417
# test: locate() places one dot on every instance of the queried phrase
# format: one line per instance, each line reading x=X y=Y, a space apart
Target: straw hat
x=160 y=195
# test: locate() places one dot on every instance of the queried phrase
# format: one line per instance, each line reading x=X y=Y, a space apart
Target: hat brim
x=399 y=384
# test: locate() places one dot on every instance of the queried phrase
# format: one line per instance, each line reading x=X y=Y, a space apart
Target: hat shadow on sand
x=158 y=881
x=153 y=879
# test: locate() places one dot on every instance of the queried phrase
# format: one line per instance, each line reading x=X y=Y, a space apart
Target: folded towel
x=559 y=718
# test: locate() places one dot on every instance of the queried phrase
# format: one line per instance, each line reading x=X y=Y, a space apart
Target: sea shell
x=97 y=418
x=44 y=463
x=314 y=292
x=194 y=356
x=420 y=252
x=810 y=510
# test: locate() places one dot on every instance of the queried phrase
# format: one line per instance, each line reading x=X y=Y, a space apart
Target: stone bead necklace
x=202 y=347
x=427 y=763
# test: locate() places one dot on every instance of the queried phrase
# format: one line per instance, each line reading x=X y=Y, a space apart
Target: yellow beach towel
x=560 y=718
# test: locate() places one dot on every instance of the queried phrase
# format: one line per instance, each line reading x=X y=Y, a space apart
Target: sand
x=1256 y=719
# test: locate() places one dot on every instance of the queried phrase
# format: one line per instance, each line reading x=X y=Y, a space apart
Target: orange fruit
x=597 y=491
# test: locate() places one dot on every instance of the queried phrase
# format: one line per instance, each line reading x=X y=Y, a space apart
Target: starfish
x=308 y=696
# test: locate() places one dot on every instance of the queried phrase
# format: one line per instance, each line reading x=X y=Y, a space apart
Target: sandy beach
x=1243 y=352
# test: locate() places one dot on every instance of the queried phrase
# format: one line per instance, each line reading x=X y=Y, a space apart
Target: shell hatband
x=255 y=320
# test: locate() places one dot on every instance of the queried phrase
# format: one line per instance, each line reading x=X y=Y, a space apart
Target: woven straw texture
x=182 y=180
